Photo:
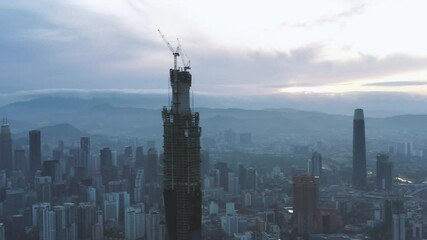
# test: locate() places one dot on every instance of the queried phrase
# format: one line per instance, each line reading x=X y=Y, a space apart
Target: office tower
x=182 y=186
x=204 y=156
x=242 y=172
x=20 y=161
x=44 y=220
x=223 y=174
x=359 y=150
x=60 y=223
x=71 y=221
x=251 y=178
x=233 y=184
x=138 y=191
x=139 y=158
x=6 y=161
x=47 y=224
x=85 y=219
x=115 y=204
x=306 y=215
x=316 y=165
x=53 y=169
x=152 y=166
x=394 y=219
x=85 y=154
x=108 y=171
x=134 y=223
x=36 y=210
x=155 y=226
x=128 y=155
x=35 y=150
x=43 y=186
x=384 y=172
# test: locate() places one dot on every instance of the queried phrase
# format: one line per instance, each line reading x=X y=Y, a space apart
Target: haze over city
x=220 y=120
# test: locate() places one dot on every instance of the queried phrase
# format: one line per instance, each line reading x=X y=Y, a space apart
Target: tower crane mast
x=175 y=53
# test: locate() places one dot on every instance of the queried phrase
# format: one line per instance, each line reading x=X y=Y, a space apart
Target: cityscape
x=323 y=139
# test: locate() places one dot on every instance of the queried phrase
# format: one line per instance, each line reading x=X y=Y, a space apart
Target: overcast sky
x=238 y=47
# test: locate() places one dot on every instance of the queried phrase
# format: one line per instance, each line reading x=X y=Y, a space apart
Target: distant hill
x=105 y=117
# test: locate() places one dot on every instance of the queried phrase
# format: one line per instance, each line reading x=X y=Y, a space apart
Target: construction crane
x=174 y=52
x=185 y=64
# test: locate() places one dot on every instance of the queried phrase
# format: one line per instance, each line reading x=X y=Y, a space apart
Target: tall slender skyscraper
x=35 y=150
x=6 y=162
x=359 y=150
x=182 y=187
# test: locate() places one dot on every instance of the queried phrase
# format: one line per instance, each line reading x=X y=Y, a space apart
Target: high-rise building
x=152 y=166
x=242 y=172
x=108 y=171
x=139 y=157
x=359 y=150
x=85 y=159
x=134 y=223
x=60 y=219
x=35 y=150
x=43 y=186
x=85 y=219
x=394 y=219
x=316 y=165
x=20 y=161
x=223 y=174
x=138 y=191
x=205 y=163
x=6 y=160
x=251 y=178
x=155 y=226
x=306 y=216
x=53 y=169
x=384 y=172
x=71 y=221
x=182 y=185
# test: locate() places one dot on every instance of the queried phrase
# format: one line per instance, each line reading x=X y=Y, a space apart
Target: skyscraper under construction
x=182 y=193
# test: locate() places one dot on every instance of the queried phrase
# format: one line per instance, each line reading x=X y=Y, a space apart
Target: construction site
x=182 y=187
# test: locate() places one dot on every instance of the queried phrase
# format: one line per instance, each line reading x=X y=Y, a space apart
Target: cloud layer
x=97 y=45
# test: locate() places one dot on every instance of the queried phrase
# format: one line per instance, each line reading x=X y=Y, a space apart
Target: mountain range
x=74 y=117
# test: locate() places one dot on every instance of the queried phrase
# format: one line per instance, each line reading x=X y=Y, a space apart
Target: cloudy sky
x=239 y=47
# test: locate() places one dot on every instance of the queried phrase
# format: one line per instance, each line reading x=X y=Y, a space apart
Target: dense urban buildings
x=182 y=186
x=359 y=150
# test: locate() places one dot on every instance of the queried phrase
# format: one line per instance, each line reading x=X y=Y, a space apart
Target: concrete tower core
x=182 y=187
